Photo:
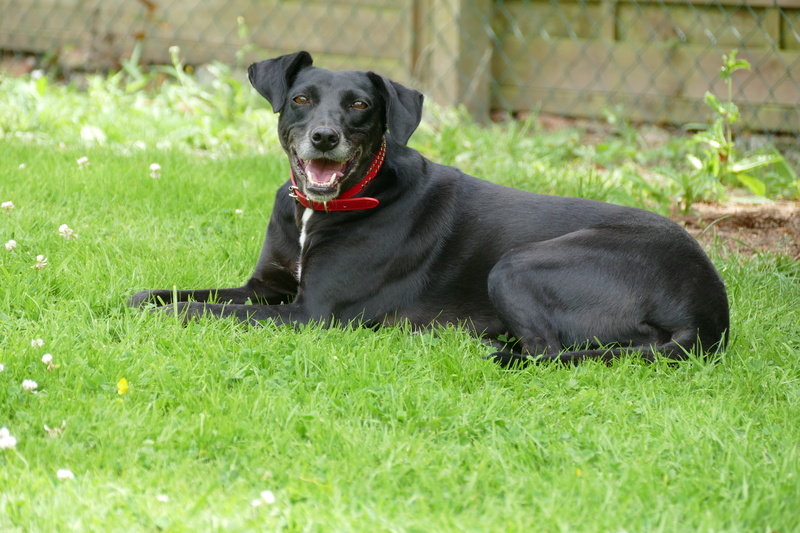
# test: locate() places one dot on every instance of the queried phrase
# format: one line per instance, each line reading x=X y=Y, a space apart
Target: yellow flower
x=122 y=386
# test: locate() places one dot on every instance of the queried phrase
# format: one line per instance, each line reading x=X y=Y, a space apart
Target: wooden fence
x=653 y=59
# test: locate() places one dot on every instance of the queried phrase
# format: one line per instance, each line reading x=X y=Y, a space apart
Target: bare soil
x=746 y=229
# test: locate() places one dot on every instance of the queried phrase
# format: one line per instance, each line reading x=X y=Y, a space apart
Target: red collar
x=345 y=201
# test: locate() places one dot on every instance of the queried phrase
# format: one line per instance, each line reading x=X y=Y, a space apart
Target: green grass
x=351 y=430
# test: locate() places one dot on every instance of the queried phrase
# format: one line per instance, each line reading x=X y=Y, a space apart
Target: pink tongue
x=324 y=171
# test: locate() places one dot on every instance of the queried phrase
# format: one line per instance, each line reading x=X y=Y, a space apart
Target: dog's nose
x=324 y=139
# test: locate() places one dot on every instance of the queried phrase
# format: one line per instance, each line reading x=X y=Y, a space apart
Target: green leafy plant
x=727 y=165
x=713 y=158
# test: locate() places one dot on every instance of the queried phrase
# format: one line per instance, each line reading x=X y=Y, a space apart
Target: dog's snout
x=325 y=139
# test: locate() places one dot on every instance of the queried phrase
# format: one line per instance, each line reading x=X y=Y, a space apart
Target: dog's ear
x=403 y=107
x=273 y=77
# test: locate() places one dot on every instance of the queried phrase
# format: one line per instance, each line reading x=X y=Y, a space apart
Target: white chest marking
x=303 y=234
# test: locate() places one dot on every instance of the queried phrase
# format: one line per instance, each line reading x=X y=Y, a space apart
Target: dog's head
x=332 y=124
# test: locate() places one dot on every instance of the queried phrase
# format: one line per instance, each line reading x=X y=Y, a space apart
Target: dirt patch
x=747 y=229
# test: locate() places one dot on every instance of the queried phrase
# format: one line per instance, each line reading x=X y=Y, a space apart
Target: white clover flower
x=7 y=206
x=266 y=497
x=163 y=498
x=66 y=232
x=41 y=262
x=29 y=385
x=2 y=367
x=93 y=134
x=7 y=440
x=83 y=162
x=238 y=212
x=47 y=359
x=37 y=343
x=65 y=473
x=155 y=171
x=22 y=166
x=10 y=245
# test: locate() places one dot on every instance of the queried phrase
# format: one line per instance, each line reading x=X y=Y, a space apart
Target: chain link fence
x=646 y=61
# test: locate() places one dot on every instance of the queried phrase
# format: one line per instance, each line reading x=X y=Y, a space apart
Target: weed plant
x=139 y=423
x=714 y=160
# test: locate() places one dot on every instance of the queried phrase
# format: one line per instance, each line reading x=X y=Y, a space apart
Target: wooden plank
x=88 y=34
x=584 y=20
x=293 y=26
x=657 y=76
x=394 y=4
x=659 y=71
x=657 y=84
x=395 y=69
x=41 y=25
x=752 y=3
x=459 y=54
x=209 y=30
x=475 y=58
x=784 y=4
x=645 y=108
x=729 y=27
x=422 y=38
x=790 y=30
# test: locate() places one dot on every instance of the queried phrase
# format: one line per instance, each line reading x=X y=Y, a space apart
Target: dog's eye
x=301 y=99
x=360 y=104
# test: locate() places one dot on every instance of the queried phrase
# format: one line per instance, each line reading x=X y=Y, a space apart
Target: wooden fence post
x=457 y=53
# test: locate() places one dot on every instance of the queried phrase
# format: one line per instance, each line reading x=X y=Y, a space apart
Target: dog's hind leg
x=572 y=291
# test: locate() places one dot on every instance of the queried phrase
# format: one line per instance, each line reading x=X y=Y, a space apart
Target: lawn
x=139 y=423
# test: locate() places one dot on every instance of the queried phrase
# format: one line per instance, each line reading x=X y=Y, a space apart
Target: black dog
x=369 y=231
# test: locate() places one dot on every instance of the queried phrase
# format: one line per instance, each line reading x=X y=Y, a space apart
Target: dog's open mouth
x=323 y=176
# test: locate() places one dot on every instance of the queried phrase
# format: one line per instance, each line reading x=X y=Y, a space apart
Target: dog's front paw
x=158 y=297
x=186 y=311
x=511 y=360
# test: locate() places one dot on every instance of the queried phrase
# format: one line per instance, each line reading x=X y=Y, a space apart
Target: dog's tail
x=680 y=347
